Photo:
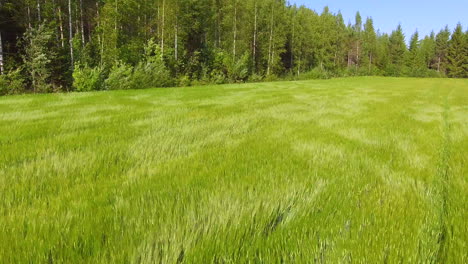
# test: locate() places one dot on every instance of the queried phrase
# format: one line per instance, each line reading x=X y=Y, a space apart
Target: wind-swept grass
x=359 y=170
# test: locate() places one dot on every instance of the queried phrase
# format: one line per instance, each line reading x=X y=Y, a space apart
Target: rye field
x=354 y=170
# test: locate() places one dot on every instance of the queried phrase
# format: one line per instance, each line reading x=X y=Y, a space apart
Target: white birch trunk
x=62 y=38
x=29 y=17
x=235 y=32
x=254 y=56
x=39 y=11
x=70 y=24
x=82 y=24
x=270 y=57
x=162 y=27
x=2 y=70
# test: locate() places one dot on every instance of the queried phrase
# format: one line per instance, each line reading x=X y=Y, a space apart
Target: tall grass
x=358 y=170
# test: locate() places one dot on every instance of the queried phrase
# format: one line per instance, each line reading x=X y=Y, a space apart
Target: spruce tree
x=441 y=49
x=457 y=54
x=397 y=51
x=428 y=51
x=38 y=57
x=369 y=44
x=415 y=59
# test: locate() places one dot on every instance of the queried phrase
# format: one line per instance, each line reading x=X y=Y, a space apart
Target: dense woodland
x=83 y=45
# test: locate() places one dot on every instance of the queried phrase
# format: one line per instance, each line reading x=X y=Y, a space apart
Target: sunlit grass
x=359 y=170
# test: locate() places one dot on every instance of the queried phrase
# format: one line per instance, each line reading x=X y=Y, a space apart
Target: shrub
x=271 y=78
x=151 y=71
x=12 y=83
x=255 y=78
x=150 y=74
x=120 y=77
x=87 y=79
x=184 y=81
x=238 y=70
x=316 y=73
x=218 y=77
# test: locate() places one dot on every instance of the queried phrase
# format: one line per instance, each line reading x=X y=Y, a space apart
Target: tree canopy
x=205 y=41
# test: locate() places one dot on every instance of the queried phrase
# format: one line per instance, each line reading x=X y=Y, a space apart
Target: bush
x=434 y=74
x=238 y=70
x=184 y=81
x=120 y=77
x=271 y=78
x=152 y=71
x=218 y=77
x=255 y=78
x=316 y=73
x=150 y=74
x=12 y=83
x=87 y=79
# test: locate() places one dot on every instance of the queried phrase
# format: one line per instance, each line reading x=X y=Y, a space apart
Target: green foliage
x=441 y=49
x=87 y=79
x=238 y=70
x=255 y=78
x=397 y=51
x=151 y=71
x=458 y=54
x=184 y=81
x=210 y=41
x=12 y=82
x=218 y=77
x=38 y=56
x=316 y=73
x=120 y=77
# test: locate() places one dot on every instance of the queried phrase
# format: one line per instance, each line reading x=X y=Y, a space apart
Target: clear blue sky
x=423 y=15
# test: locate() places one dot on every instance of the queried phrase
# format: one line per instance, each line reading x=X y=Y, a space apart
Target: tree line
x=83 y=45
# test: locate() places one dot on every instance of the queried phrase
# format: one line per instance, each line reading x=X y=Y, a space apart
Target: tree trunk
x=270 y=57
x=176 y=41
x=292 y=46
x=29 y=17
x=162 y=27
x=299 y=65
x=349 y=59
x=357 y=54
x=62 y=38
x=82 y=24
x=438 y=64
x=70 y=24
x=100 y=43
x=139 y=20
x=254 y=56
x=116 y=14
x=235 y=32
x=158 y=19
x=2 y=70
x=39 y=11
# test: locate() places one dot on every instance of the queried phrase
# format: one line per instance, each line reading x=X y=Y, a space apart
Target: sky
x=421 y=15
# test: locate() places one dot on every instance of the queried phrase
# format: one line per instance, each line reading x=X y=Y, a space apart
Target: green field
x=357 y=170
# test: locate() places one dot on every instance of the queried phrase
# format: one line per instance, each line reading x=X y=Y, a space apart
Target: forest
x=86 y=45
